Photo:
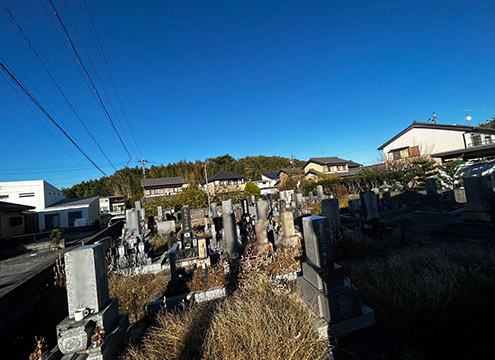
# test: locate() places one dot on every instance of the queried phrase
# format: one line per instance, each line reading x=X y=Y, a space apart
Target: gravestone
x=160 y=213
x=202 y=249
x=322 y=283
x=330 y=210
x=137 y=205
x=311 y=198
x=431 y=200
x=230 y=232
x=90 y=308
x=227 y=206
x=298 y=211
x=319 y=192
x=369 y=206
x=289 y=237
x=480 y=200
x=213 y=210
x=253 y=199
x=132 y=222
x=172 y=261
x=354 y=208
x=262 y=243
x=245 y=207
x=387 y=199
x=186 y=227
x=282 y=205
x=165 y=227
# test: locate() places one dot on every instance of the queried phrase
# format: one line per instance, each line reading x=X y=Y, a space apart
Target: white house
x=68 y=213
x=422 y=138
x=112 y=204
x=37 y=193
x=268 y=183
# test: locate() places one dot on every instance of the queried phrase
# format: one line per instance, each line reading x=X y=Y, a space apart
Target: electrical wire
x=52 y=78
x=36 y=102
x=64 y=28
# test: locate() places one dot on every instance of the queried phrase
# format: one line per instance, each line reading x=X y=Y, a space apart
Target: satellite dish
x=469 y=118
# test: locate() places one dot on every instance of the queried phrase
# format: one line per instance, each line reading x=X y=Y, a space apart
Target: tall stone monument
x=93 y=329
x=335 y=300
x=262 y=243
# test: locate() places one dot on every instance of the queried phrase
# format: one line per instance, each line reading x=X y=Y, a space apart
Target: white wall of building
x=37 y=193
x=90 y=212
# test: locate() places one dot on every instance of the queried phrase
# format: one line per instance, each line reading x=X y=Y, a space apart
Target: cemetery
x=375 y=274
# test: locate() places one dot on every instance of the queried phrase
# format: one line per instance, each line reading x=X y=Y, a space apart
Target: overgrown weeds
x=417 y=283
x=135 y=291
x=260 y=322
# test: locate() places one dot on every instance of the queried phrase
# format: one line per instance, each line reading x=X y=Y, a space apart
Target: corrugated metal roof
x=73 y=202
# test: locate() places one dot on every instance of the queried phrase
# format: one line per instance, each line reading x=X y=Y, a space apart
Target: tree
x=450 y=174
x=252 y=189
x=489 y=124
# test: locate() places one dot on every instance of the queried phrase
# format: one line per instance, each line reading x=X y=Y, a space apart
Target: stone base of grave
x=75 y=336
x=477 y=213
x=264 y=248
x=326 y=331
x=339 y=304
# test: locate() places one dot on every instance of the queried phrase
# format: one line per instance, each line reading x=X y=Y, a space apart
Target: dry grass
x=262 y=322
x=265 y=266
x=135 y=291
x=417 y=283
x=216 y=277
x=159 y=243
x=176 y=335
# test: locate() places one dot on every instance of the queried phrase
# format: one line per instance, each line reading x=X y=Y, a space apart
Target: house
x=428 y=139
x=167 y=186
x=114 y=205
x=268 y=183
x=225 y=182
x=12 y=218
x=36 y=193
x=68 y=213
x=332 y=165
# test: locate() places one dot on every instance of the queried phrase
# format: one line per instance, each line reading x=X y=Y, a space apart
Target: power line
x=109 y=73
x=36 y=102
x=64 y=28
x=52 y=78
x=99 y=81
x=43 y=124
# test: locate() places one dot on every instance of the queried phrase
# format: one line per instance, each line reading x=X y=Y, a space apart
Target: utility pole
x=207 y=188
x=143 y=163
x=292 y=159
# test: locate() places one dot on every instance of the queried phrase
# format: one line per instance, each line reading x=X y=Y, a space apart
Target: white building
x=422 y=138
x=112 y=205
x=37 y=193
x=268 y=183
x=54 y=211
x=69 y=213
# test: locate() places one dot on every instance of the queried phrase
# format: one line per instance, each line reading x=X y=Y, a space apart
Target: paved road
x=18 y=268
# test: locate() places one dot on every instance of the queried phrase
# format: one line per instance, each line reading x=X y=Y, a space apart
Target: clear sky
x=200 y=79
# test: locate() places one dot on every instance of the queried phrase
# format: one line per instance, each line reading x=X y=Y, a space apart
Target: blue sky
x=199 y=79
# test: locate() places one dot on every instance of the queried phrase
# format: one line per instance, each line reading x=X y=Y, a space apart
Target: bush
x=252 y=189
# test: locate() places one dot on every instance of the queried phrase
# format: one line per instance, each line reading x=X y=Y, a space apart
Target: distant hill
x=127 y=181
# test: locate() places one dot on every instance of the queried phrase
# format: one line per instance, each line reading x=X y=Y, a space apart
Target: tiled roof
x=272 y=175
x=167 y=181
x=73 y=202
x=226 y=175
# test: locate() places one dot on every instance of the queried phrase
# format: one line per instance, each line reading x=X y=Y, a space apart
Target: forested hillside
x=127 y=181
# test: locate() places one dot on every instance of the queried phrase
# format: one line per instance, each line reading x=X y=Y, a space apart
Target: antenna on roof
x=468 y=118
x=434 y=118
x=292 y=159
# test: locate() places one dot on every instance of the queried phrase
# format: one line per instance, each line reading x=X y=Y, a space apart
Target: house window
x=341 y=168
x=414 y=151
x=31 y=194
x=488 y=139
x=156 y=191
x=15 y=221
x=4 y=196
x=400 y=153
x=476 y=140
